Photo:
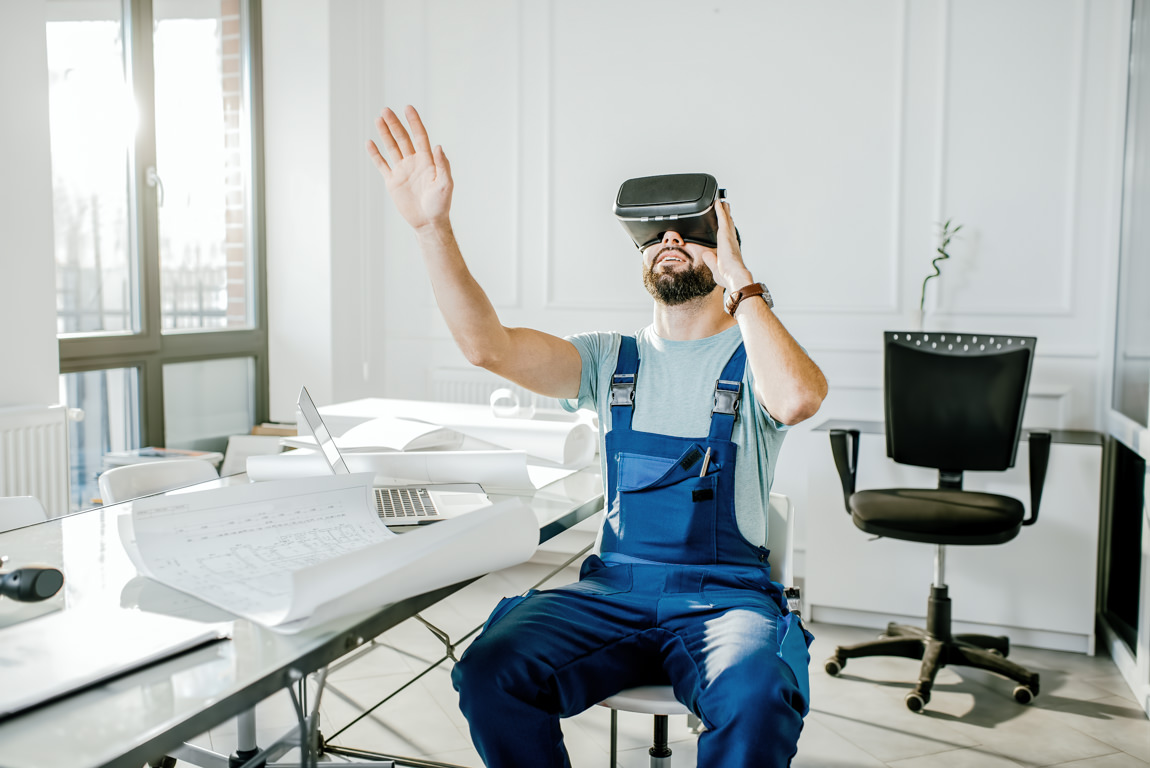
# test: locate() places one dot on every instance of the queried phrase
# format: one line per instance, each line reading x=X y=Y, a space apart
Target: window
x=159 y=272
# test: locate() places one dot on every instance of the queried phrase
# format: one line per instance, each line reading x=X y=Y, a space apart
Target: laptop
x=397 y=504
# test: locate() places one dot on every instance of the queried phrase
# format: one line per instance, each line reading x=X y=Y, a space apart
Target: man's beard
x=679 y=287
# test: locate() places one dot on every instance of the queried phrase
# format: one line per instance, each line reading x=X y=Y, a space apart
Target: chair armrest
x=845 y=449
x=1039 y=459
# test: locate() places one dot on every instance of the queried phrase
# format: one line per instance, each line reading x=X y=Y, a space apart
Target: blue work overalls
x=677 y=595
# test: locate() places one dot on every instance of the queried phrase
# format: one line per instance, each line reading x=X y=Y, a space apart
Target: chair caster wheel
x=1023 y=694
x=833 y=666
x=916 y=701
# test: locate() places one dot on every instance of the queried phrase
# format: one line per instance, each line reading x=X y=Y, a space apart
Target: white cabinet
x=1038 y=589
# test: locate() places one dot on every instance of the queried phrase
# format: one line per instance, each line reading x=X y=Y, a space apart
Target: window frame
x=151 y=349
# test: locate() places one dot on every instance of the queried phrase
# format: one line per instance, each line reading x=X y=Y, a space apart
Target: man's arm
x=787 y=382
x=419 y=181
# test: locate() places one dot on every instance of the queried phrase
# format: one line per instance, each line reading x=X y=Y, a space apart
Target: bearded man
x=680 y=589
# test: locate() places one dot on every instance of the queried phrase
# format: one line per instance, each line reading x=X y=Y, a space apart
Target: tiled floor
x=1085 y=716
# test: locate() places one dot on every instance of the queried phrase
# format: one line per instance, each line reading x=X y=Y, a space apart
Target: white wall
x=29 y=357
x=297 y=170
x=843 y=131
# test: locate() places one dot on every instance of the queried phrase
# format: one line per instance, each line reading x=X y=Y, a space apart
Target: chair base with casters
x=936 y=647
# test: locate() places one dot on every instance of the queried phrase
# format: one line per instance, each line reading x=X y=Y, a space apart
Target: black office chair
x=954 y=402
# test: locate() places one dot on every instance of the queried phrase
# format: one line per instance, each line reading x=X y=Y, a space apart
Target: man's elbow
x=482 y=352
x=798 y=408
x=483 y=358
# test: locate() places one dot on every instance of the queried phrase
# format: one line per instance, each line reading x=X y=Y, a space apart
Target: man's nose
x=671 y=237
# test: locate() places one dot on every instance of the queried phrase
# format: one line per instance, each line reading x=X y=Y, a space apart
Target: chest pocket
x=666 y=503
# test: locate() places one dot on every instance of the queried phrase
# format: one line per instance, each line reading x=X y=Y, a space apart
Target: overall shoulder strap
x=728 y=391
x=623 y=383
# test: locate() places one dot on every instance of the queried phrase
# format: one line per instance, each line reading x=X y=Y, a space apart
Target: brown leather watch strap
x=754 y=289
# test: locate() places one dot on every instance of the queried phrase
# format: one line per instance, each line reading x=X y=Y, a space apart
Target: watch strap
x=754 y=289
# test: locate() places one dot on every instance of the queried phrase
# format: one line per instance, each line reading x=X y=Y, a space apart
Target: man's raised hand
x=417 y=176
x=726 y=261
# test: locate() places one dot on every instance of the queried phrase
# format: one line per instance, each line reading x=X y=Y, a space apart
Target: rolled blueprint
x=565 y=443
x=494 y=470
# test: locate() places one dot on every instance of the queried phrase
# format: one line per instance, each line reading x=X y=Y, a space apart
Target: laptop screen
x=322 y=436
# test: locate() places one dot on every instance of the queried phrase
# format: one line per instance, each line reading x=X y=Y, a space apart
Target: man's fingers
x=377 y=158
x=398 y=133
x=724 y=217
x=384 y=129
x=418 y=132
x=442 y=166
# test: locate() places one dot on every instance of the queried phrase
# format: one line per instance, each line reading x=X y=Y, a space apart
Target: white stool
x=657 y=700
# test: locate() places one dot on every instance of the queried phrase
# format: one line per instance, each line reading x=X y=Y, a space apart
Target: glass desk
x=151 y=712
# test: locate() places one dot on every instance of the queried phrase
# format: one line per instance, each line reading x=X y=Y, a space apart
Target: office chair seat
x=937 y=516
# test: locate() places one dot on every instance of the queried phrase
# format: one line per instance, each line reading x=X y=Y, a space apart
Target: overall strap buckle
x=623 y=389
x=726 y=398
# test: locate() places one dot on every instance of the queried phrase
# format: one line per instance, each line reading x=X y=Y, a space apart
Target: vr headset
x=684 y=202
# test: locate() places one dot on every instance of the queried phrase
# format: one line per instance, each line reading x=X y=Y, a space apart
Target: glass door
x=1124 y=580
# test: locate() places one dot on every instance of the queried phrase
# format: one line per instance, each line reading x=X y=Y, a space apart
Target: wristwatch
x=754 y=289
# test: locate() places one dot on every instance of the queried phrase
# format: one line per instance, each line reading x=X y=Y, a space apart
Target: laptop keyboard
x=404 y=503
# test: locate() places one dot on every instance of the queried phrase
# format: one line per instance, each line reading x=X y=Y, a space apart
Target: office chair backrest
x=19 y=511
x=954 y=401
x=135 y=480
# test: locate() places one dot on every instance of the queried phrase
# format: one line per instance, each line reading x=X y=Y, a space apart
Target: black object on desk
x=954 y=402
x=30 y=584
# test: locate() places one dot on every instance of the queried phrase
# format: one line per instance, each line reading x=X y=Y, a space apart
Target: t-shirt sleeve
x=593 y=349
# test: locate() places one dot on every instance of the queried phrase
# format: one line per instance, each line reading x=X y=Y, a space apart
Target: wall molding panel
x=886 y=256
x=1070 y=259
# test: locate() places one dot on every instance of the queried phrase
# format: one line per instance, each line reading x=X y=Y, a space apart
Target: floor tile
x=1115 y=721
x=1113 y=760
x=958 y=758
x=411 y=724
x=1029 y=735
x=820 y=747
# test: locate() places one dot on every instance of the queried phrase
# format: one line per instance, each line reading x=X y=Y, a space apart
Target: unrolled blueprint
x=568 y=441
x=291 y=554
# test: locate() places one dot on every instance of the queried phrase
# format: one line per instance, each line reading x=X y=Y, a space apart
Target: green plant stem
x=946 y=235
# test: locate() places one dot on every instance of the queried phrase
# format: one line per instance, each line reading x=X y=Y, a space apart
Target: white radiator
x=34 y=455
x=475 y=385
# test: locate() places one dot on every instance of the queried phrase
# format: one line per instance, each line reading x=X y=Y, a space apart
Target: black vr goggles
x=684 y=202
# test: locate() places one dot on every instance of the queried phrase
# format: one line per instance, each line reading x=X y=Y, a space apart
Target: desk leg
x=305 y=735
x=246 y=747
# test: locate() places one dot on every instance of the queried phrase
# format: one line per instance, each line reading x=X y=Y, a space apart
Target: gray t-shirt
x=674 y=394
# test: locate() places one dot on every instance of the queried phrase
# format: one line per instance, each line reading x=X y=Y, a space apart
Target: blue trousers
x=716 y=635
